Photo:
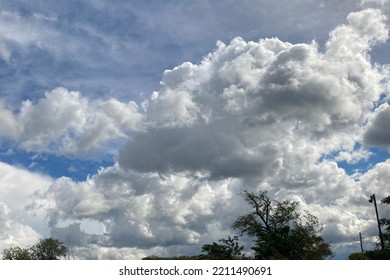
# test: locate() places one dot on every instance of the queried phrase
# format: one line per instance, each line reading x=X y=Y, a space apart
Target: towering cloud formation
x=249 y=105
x=265 y=115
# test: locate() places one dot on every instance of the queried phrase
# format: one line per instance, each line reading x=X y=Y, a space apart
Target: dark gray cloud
x=211 y=149
x=378 y=133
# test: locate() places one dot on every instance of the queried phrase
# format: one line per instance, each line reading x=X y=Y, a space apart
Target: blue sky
x=130 y=118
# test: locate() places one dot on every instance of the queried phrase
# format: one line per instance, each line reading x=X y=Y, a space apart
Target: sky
x=131 y=128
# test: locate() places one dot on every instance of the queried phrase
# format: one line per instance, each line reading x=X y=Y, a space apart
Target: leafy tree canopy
x=281 y=231
x=378 y=253
x=358 y=256
x=16 y=253
x=48 y=249
x=227 y=249
x=386 y=224
x=45 y=249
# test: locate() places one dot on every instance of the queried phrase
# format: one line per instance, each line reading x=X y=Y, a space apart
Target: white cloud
x=375 y=180
x=267 y=113
x=352 y=157
x=238 y=111
x=180 y=212
x=78 y=199
x=18 y=224
x=8 y=125
x=252 y=115
x=65 y=123
x=138 y=210
x=13 y=179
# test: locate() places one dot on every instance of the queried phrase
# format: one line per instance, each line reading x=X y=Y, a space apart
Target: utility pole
x=361 y=243
x=70 y=249
x=371 y=200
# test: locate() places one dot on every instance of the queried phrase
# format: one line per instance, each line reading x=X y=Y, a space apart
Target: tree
x=386 y=223
x=228 y=250
x=48 y=249
x=378 y=253
x=45 y=249
x=16 y=253
x=357 y=256
x=281 y=231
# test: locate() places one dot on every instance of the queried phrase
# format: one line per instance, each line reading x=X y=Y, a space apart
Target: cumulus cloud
x=378 y=133
x=252 y=115
x=19 y=225
x=353 y=157
x=267 y=115
x=246 y=103
x=66 y=123
x=138 y=210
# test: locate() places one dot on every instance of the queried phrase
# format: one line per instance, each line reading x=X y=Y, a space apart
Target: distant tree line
x=45 y=249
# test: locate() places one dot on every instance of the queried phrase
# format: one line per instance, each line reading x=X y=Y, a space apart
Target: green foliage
x=386 y=200
x=48 y=249
x=227 y=250
x=281 y=231
x=45 y=249
x=358 y=256
x=386 y=224
x=16 y=253
x=377 y=254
